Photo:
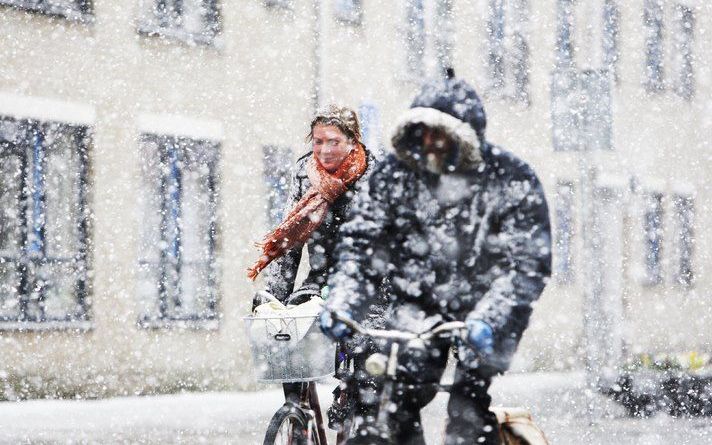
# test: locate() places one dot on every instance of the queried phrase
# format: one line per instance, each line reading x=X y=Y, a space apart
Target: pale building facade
x=143 y=146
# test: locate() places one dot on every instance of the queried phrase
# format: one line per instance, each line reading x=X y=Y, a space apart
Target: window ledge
x=51 y=11
x=37 y=326
x=203 y=325
x=354 y=19
x=286 y=5
x=150 y=29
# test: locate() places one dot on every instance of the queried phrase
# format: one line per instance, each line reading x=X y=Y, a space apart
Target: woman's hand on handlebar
x=332 y=326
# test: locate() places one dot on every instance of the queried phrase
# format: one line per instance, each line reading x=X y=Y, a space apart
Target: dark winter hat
x=449 y=104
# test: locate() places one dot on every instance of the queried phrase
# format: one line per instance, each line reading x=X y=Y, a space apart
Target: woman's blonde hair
x=343 y=118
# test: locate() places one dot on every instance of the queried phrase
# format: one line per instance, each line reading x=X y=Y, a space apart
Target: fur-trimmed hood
x=450 y=105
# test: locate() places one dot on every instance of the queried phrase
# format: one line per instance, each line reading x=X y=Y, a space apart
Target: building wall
x=253 y=88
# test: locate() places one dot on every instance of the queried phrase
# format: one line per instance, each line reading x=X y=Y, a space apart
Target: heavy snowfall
x=175 y=245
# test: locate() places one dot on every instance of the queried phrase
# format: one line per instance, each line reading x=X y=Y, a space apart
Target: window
x=285 y=4
x=564 y=109
x=563 y=267
x=43 y=221
x=443 y=34
x=564 y=33
x=508 y=54
x=668 y=48
x=177 y=253
x=683 y=274
x=683 y=76
x=194 y=21
x=348 y=11
x=429 y=38
x=595 y=35
x=653 y=21
x=71 y=9
x=277 y=165
x=415 y=38
x=370 y=119
x=653 y=238
x=581 y=110
x=611 y=28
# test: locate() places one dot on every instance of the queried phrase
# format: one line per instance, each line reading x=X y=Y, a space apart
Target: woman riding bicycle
x=323 y=184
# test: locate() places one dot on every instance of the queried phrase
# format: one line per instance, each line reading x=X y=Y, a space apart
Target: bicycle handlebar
x=450 y=326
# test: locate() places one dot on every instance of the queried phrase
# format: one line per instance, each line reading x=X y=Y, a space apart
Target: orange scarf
x=308 y=214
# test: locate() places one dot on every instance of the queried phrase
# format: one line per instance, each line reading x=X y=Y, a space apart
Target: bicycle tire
x=280 y=423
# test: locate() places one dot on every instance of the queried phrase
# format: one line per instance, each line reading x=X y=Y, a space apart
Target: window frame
x=369 y=115
x=428 y=30
x=682 y=72
x=611 y=38
x=564 y=267
x=28 y=261
x=508 y=52
x=150 y=25
x=348 y=15
x=287 y=5
x=164 y=319
x=653 y=238
x=84 y=13
x=416 y=40
x=654 y=24
x=281 y=172
x=683 y=262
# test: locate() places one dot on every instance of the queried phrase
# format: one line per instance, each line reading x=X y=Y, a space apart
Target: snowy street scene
x=556 y=400
x=356 y=222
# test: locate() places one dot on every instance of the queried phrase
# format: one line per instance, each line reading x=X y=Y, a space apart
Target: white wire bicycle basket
x=289 y=349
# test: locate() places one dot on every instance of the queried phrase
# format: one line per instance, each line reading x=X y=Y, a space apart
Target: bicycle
x=298 y=422
x=516 y=425
x=292 y=350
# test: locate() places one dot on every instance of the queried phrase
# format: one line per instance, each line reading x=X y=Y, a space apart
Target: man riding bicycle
x=460 y=230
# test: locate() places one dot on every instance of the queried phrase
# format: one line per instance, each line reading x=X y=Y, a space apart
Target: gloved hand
x=480 y=336
x=332 y=328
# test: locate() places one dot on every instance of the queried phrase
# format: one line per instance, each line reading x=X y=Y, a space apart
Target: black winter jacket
x=473 y=242
x=281 y=274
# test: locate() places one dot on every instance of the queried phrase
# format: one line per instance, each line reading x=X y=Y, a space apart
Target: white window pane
x=148 y=288
x=563 y=241
x=61 y=185
x=150 y=201
x=196 y=290
x=59 y=291
x=193 y=16
x=196 y=217
x=9 y=296
x=653 y=230
x=10 y=188
x=684 y=235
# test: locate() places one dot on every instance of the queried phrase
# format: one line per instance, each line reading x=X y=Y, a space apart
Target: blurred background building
x=146 y=144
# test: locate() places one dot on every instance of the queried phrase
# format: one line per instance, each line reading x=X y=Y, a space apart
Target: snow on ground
x=558 y=402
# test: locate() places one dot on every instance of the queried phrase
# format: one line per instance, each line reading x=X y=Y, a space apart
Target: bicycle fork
x=384 y=408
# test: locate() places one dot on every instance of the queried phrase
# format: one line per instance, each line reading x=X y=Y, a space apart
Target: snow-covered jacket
x=472 y=242
x=281 y=273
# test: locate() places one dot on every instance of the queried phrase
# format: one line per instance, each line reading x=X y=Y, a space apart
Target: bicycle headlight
x=376 y=364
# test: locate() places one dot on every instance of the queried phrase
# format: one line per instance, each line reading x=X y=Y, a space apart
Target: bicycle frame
x=380 y=365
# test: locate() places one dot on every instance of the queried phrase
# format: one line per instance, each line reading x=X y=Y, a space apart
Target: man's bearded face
x=438 y=151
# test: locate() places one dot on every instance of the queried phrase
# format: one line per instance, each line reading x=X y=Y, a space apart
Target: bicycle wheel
x=289 y=427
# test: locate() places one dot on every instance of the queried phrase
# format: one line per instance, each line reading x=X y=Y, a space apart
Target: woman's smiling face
x=331 y=146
